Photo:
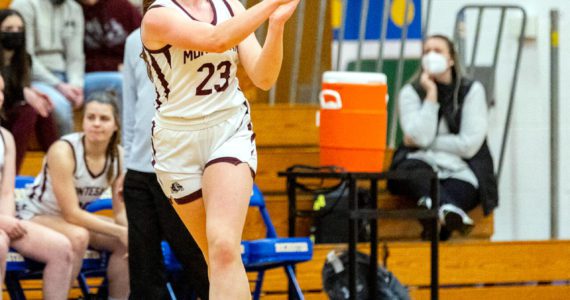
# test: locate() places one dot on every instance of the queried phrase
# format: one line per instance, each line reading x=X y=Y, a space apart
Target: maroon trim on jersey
x=157 y=99
x=74 y=156
x=189 y=198
x=105 y=167
x=33 y=191
x=232 y=160
x=161 y=50
x=153 y=162
x=154 y=6
x=44 y=183
x=229 y=8
x=214 y=21
x=162 y=79
x=252 y=137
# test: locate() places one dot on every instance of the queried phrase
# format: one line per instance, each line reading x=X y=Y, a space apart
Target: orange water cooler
x=353 y=120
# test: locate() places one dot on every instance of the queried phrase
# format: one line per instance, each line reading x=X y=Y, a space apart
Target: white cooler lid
x=354 y=77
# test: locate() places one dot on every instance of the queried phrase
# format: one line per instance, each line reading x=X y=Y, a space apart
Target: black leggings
x=451 y=191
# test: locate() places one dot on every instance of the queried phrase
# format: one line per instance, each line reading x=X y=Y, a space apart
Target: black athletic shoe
x=455 y=219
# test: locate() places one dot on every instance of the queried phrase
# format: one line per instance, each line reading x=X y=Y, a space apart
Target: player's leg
x=78 y=236
x=226 y=190
x=55 y=250
x=118 y=266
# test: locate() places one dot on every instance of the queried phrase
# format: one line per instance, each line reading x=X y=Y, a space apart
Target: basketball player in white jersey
x=76 y=171
x=203 y=140
x=29 y=239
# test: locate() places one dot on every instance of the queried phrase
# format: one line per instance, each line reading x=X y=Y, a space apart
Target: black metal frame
x=373 y=214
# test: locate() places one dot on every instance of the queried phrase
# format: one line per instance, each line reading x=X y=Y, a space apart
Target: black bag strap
x=319 y=188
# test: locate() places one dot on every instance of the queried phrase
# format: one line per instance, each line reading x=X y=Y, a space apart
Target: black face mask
x=57 y=2
x=12 y=40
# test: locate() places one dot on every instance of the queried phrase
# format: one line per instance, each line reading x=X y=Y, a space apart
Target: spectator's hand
x=283 y=13
x=409 y=141
x=39 y=101
x=428 y=84
x=72 y=93
x=79 y=97
x=12 y=226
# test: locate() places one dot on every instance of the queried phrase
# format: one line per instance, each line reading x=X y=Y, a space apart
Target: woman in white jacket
x=443 y=116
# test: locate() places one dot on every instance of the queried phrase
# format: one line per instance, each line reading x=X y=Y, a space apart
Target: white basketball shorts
x=180 y=155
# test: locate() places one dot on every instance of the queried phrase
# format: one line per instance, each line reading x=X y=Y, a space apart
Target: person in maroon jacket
x=107 y=25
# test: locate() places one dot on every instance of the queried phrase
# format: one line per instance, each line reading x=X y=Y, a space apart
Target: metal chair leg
x=258 y=285
x=293 y=280
x=14 y=287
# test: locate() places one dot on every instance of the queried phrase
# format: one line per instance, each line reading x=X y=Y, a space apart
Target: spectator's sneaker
x=424 y=202
x=455 y=218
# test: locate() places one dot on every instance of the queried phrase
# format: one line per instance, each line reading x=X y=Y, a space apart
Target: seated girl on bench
x=76 y=171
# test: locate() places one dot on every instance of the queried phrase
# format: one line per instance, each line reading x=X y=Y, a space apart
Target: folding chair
x=96 y=266
x=95 y=262
x=274 y=252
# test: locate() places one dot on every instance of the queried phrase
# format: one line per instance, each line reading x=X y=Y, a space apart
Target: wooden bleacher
x=287 y=135
x=470 y=268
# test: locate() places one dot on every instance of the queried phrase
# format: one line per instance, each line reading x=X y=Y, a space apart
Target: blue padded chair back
x=258 y=201
x=99 y=204
x=23 y=181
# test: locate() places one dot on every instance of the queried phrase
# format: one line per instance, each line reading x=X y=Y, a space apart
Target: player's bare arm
x=262 y=65
x=164 y=26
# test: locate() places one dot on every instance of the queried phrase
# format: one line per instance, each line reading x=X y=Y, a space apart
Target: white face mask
x=434 y=63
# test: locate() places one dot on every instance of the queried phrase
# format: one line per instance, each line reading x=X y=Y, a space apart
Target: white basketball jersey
x=88 y=186
x=192 y=84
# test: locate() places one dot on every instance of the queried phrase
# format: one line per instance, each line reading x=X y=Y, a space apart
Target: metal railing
x=471 y=65
x=313 y=14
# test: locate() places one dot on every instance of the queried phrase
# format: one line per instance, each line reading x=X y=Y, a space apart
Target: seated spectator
x=85 y=165
x=443 y=116
x=25 y=110
x=107 y=25
x=54 y=39
x=30 y=239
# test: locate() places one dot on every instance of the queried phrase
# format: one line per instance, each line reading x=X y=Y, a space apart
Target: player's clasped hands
x=284 y=12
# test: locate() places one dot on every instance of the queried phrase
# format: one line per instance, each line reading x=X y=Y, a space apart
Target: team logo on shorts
x=176 y=187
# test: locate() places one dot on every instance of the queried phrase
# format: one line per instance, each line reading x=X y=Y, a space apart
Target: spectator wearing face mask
x=443 y=116
x=54 y=39
x=26 y=110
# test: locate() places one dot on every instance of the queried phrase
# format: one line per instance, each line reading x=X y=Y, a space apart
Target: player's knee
x=79 y=238
x=223 y=253
x=63 y=252
x=119 y=248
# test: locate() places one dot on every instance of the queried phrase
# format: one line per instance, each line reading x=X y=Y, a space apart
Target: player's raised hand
x=284 y=12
